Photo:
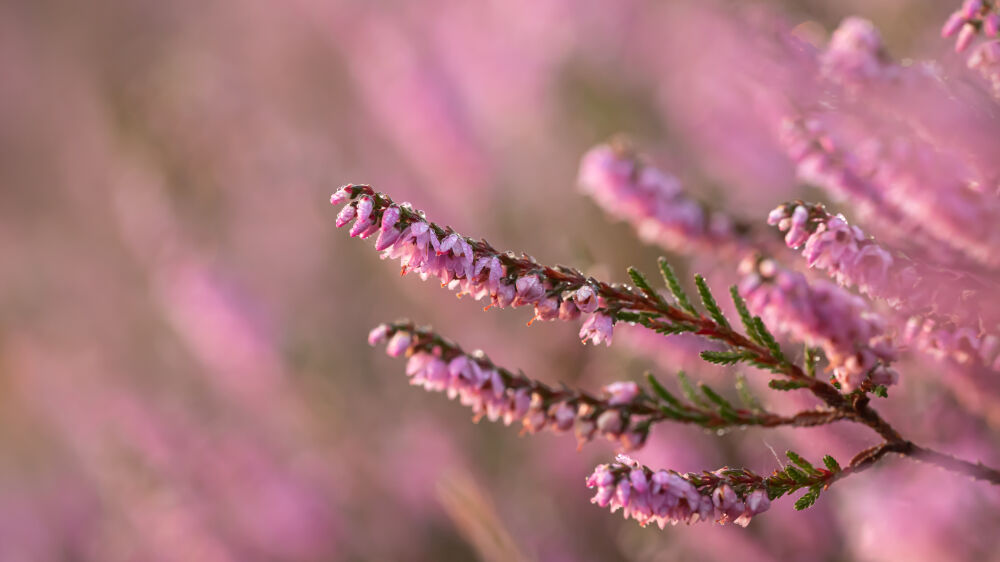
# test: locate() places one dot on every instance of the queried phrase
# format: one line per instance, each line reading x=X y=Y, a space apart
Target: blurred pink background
x=183 y=366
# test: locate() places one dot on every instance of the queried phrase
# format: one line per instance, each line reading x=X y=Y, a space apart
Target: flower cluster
x=819 y=162
x=821 y=314
x=665 y=496
x=973 y=17
x=829 y=243
x=651 y=200
x=855 y=54
x=472 y=267
x=497 y=394
x=944 y=309
x=887 y=160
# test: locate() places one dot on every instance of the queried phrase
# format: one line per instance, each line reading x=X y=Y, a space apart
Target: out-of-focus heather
x=183 y=368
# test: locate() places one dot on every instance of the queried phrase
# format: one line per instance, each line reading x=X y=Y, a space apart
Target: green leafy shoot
x=670 y=278
x=746 y=396
x=783 y=384
x=726 y=357
x=802 y=463
x=767 y=340
x=811 y=357
x=640 y=281
x=709 y=301
x=662 y=392
x=690 y=392
x=745 y=316
x=831 y=464
x=808 y=499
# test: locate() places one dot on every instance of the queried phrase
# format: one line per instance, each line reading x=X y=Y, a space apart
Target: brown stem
x=976 y=471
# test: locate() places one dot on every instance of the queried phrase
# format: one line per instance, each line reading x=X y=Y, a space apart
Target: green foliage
x=662 y=392
x=628 y=316
x=802 y=463
x=797 y=475
x=672 y=329
x=831 y=464
x=670 y=278
x=881 y=391
x=745 y=317
x=709 y=302
x=726 y=357
x=784 y=384
x=767 y=340
x=640 y=281
x=808 y=499
x=689 y=391
x=811 y=357
x=747 y=397
x=725 y=409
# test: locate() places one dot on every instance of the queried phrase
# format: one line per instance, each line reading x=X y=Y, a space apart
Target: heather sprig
x=474 y=267
x=624 y=411
x=726 y=495
x=628 y=188
x=666 y=496
x=820 y=314
x=947 y=312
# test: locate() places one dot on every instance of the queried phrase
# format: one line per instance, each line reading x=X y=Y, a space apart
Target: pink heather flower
x=547 y=309
x=965 y=37
x=991 y=24
x=398 y=344
x=362 y=223
x=386 y=238
x=621 y=392
x=529 y=290
x=586 y=299
x=632 y=440
x=390 y=217
x=341 y=196
x=797 y=233
x=365 y=206
x=568 y=310
x=971 y=8
x=563 y=416
x=951 y=26
x=610 y=423
x=346 y=215
x=756 y=502
x=599 y=327
x=378 y=335
x=985 y=59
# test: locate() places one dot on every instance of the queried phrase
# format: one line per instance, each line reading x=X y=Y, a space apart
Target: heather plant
x=183 y=368
x=839 y=322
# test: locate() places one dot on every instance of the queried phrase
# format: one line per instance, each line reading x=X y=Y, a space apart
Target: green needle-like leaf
x=662 y=391
x=670 y=278
x=709 y=301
